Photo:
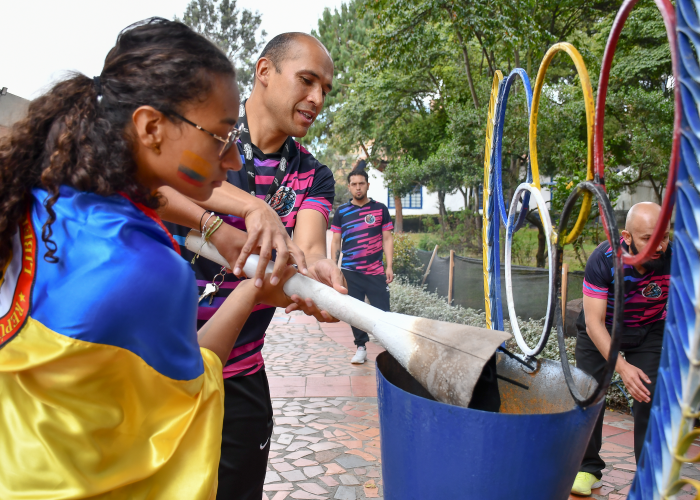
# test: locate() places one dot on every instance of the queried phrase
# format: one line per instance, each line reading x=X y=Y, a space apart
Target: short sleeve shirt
x=308 y=184
x=645 y=295
x=361 y=231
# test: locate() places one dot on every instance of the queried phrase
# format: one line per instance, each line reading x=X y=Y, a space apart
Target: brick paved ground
x=325 y=442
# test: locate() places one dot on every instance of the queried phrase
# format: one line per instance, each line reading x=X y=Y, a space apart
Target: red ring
x=669 y=15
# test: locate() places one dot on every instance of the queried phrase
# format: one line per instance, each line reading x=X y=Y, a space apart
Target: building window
x=414 y=199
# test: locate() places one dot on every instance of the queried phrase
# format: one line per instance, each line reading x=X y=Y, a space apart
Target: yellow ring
x=679 y=484
x=590 y=112
x=497 y=77
x=683 y=445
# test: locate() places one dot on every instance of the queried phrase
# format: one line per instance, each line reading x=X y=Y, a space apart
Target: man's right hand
x=634 y=379
x=266 y=232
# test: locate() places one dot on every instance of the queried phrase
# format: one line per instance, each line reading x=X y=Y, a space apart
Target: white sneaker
x=360 y=356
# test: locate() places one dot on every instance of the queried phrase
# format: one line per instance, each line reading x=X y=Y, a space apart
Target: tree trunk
x=541 y=238
x=466 y=194
x=398 y=225
x=467 y=67
x=658 y=190
x=443 y=212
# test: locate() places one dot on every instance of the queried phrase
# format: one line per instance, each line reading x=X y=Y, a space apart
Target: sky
x=41 y=40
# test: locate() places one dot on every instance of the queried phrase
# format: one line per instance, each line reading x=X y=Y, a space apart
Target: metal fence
x=530 y=284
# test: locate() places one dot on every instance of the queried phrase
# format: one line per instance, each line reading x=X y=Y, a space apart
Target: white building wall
x=644 y=192
x=378 y=192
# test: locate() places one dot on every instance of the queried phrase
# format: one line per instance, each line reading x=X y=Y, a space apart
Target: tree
x=232 y=29
x=419 y=78
x=345 y=33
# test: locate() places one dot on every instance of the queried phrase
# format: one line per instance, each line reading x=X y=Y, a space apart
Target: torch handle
x=343 y=307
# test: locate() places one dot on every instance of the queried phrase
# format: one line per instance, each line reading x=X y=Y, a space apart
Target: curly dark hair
x=73 y=136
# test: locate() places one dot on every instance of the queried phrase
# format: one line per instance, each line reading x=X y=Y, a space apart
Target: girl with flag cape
x=106 y=388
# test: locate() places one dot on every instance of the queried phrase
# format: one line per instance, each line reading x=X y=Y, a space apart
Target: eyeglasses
x=229 y=141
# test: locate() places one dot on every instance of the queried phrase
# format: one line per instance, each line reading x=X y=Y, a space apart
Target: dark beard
x=652 y=264
x=359 y=197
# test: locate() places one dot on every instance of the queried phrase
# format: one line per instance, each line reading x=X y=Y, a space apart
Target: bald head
x=287 y=46
x=292 y=78
x=642 y=216
x=641 y=222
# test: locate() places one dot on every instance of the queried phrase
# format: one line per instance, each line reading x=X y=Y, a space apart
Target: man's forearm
x=599 y=335
x=228 y=199
x=313 y=257
x=335 y=252
x=388 y=246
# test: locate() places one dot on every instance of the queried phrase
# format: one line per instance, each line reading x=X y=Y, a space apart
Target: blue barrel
x=531 y=450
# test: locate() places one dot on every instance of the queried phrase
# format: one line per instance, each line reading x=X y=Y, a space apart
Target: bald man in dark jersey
x=646 y=294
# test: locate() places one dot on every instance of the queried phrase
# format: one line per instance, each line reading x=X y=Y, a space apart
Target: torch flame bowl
x=531 y=450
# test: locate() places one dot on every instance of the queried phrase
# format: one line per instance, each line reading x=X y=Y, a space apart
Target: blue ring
x=501 y=106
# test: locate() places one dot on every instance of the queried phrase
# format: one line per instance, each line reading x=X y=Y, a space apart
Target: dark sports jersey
x=645 y=295
x=307 y=185
x=361 y=231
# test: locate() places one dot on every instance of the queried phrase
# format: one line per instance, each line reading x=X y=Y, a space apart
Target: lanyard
x=249 y=162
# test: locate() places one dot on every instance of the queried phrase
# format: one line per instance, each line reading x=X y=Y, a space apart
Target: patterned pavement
x=325 y=442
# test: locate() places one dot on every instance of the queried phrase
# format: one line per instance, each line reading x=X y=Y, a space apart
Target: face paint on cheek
x=193 y=169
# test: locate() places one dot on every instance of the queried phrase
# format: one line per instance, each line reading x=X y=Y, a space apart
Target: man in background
x=364 y=226
x=646 y=294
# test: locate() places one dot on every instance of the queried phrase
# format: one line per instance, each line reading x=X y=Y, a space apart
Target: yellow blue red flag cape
x=104 y=391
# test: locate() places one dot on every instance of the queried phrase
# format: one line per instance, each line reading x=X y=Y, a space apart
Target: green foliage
x=452 y=234
x=345 y=34
x=417 y=301
x=416 y=84
x=232 y=29
x=406 y=261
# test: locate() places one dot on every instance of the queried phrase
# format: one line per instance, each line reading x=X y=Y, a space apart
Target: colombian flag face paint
x=193 y=169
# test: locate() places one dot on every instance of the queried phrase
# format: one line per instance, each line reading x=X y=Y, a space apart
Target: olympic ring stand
x=532 y=449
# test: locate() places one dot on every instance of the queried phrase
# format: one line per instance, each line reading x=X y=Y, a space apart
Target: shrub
x=417 y=301
x=406 y=261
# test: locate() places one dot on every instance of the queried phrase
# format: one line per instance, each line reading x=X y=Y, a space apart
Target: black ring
x=608 y=220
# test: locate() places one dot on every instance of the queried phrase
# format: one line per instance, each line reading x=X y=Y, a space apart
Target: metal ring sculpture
x=676 y=402
x=494 y=207
x=590 y=107
x=492 y=301
x=669 y=17
x=501 y=107
x=531 y=188
x=619 y=291
x=493 y=189
x=511 y=227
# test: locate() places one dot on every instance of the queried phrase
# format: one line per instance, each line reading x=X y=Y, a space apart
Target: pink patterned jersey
x=307 y=184
x=645 y=294
x=361 y=231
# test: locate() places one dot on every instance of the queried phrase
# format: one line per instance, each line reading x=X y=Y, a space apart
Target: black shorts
x=245 y=443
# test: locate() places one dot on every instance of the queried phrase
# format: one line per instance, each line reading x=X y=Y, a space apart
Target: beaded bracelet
x=206 y=233
x=214 y=226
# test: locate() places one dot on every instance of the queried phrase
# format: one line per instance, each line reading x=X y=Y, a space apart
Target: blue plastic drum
x=531 y=450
